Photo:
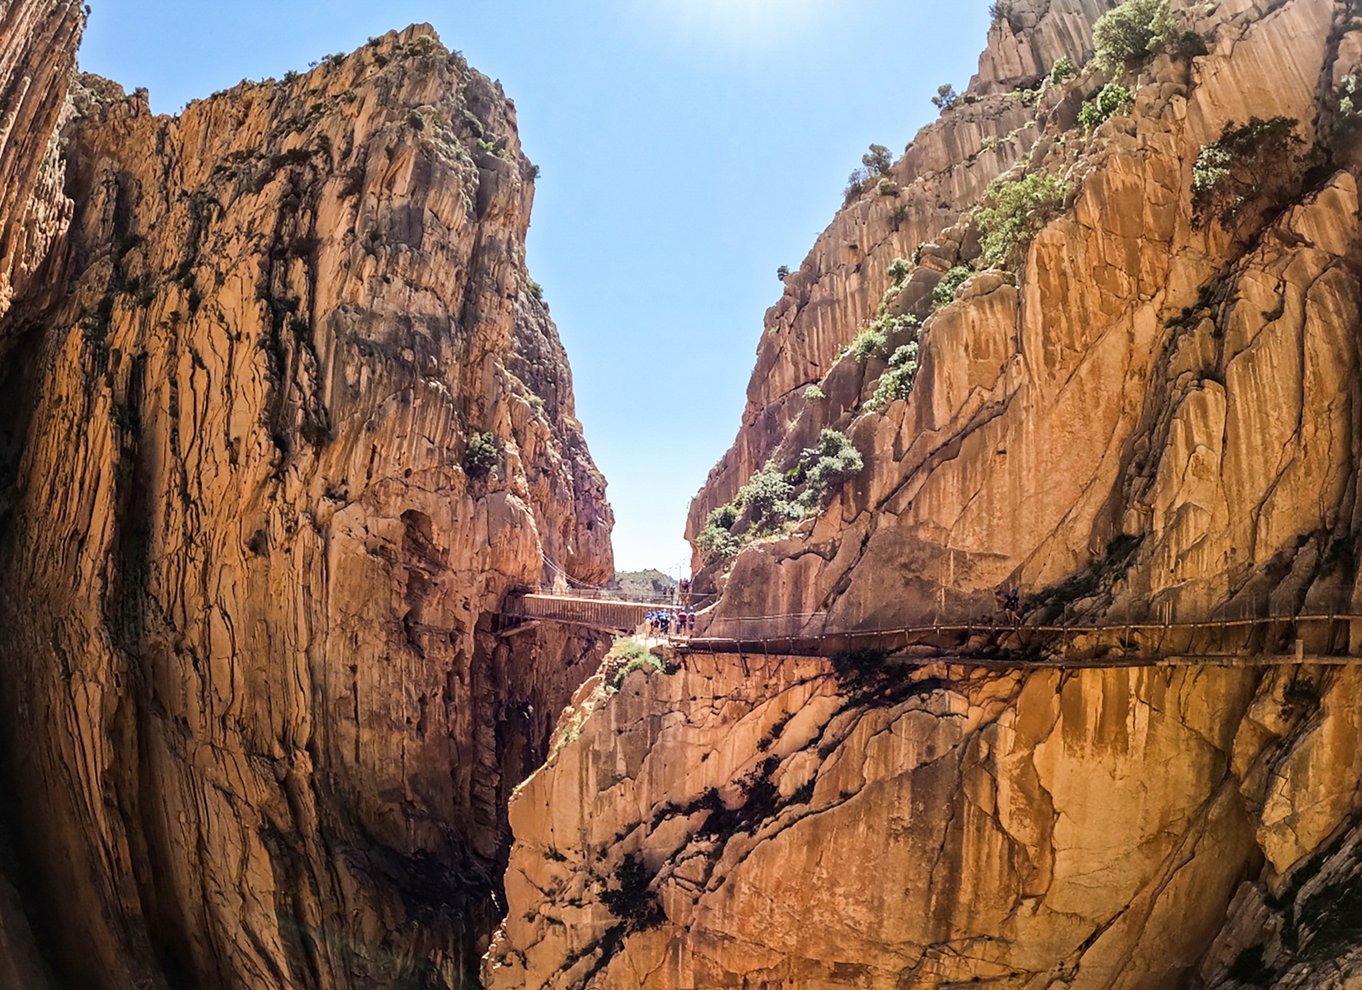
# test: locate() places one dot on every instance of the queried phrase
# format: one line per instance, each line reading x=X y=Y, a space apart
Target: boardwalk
x=574 y=609
x=1333 y=638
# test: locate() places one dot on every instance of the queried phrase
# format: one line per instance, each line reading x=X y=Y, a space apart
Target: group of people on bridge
x=664 y=622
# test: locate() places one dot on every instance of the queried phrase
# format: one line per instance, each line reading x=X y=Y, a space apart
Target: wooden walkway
x=1332 y=638
x=603 y=614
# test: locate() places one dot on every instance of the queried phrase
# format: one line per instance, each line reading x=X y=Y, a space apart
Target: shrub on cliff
x=1348 y=112
x=1062 y=71
x=1132 y=31
x=1112 y=98
x=482 y=454
x=717 y=546
x=767 y=500
x=627 y=656
x=1254 y=162
x=944 y=293
x=897 y=382
x=1015 y=213
x=826 y=467
x=946 y=97
x=868 y=343
x=716 y=542
x=878 y=160
x=630 y=900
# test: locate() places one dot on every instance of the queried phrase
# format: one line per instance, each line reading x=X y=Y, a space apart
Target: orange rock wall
x=251 y=685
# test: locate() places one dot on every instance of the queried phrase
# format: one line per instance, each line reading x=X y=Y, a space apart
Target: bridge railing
x=1318 y=635
x=676 y=598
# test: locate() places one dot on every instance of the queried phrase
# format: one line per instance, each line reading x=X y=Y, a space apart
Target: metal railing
x=1325 y=635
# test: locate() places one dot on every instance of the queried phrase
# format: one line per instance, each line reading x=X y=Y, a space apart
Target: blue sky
x=688 y=148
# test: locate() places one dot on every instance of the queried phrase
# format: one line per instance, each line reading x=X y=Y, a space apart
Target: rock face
x=1153 y=413
x=38 y=40
x=1180 y=392
x=943 y=172
x=751 y=821
x=284 y=424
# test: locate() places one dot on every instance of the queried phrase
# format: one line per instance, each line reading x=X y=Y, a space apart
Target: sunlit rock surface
x=1149 y=417
x=292 y=427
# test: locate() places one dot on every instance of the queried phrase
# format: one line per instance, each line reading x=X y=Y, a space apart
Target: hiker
x=664 y=622
x=1012 y=606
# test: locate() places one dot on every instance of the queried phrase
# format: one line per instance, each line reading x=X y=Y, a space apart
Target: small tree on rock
x=946 y=97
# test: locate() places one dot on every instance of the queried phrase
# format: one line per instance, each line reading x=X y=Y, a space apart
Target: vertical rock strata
x=942 y=828
x=1182 y=393
x=291 y=426
x=1147 y=415
x=38 y=40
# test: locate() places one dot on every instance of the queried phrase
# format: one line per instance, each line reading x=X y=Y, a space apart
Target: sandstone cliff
x=1151 y=412
x=285 y=421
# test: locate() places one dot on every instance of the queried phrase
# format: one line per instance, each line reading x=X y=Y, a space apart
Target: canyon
x=287 y=422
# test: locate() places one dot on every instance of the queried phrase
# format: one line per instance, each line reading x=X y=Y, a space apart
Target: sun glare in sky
x=736 y=23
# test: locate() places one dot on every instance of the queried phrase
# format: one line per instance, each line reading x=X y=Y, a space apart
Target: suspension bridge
x=1328 y=638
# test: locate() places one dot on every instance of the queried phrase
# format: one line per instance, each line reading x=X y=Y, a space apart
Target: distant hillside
x=648 y=583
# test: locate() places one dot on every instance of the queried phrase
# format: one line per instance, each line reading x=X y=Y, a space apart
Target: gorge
x=287 y=424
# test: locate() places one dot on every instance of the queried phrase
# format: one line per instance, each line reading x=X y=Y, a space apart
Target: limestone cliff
x=285 y=421
x=751 y=821
x=1153 y=398
x=38 y=40
x=1151 y=410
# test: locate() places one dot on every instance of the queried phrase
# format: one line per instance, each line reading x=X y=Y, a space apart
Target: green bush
x=630 y=900
x=874 y=336
x=856 y=184
x=1132 y=31
x=535 y=290
x=878 y=160
x=899 y=270
x=627 y=656
x=767 y=500
x=887 y=187
x=897 y=382
x=723 y=517
x=869 y=342
x=826 y=467
x=1062 y=71
x=813 y=393
x=1112 y=98
x=1000 y=10
x=717 y=545
x=1017 y=211
x=482 y=454
x=946 y=97
x=1254 y=162
x=1187 y=44
x=1348 y=114
x=944 y=293
x=716 y=542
